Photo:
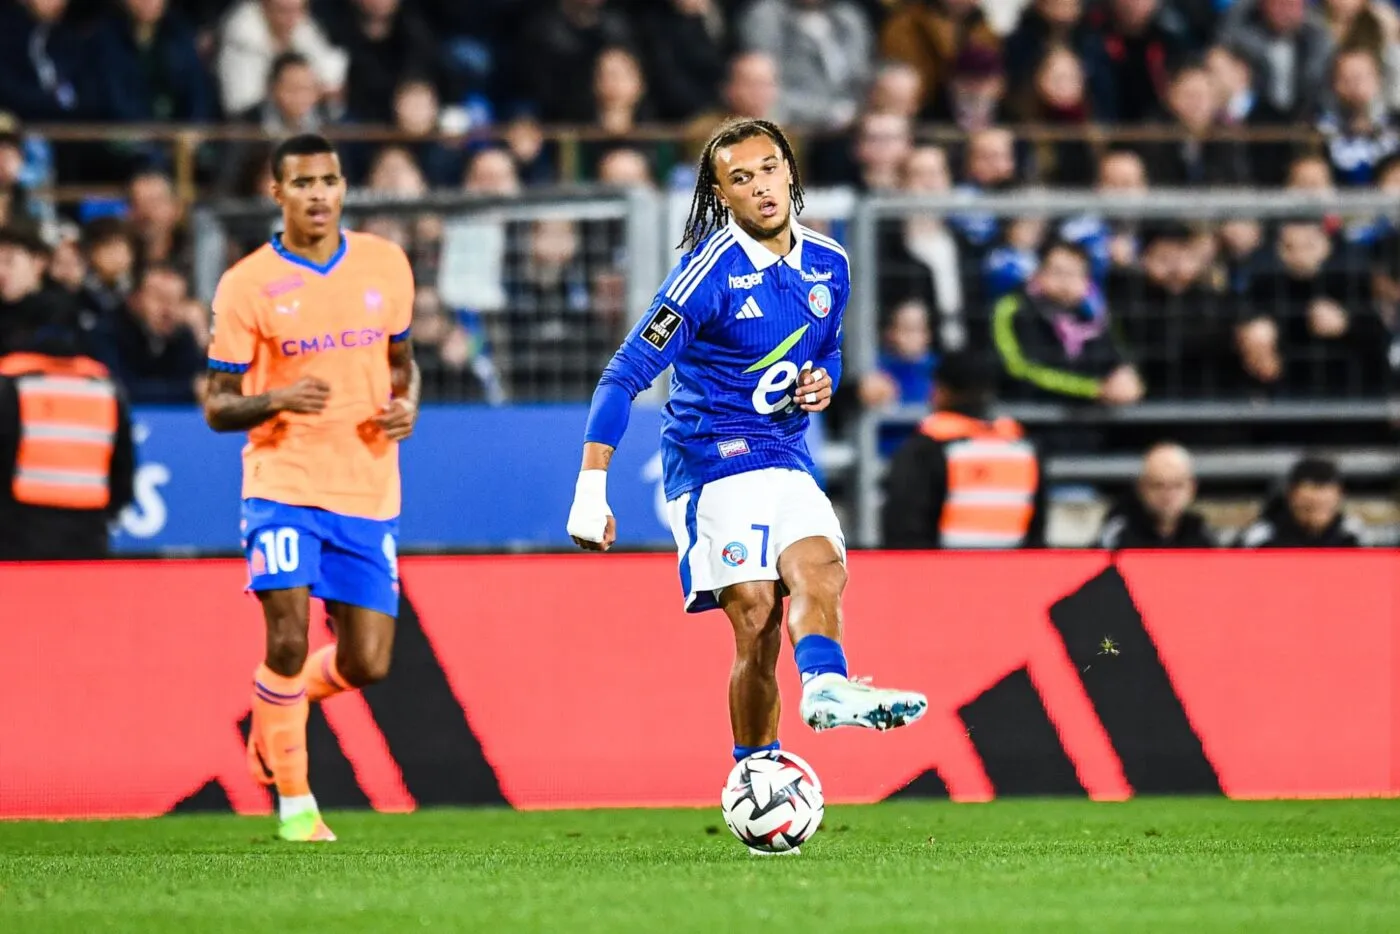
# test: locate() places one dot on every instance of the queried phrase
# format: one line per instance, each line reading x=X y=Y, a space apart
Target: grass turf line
x=1198 y=865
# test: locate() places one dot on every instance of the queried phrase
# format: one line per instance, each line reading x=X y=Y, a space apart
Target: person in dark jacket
x=964 y=479
x=39 y=520
x=28 y=304
x=150 y=66
x=1158 y=513
x=684 y=40
x=1308 y=514
x=1055 y=341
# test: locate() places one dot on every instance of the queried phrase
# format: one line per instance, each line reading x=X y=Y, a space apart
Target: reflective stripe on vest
x=67 y=432
x=992 y=480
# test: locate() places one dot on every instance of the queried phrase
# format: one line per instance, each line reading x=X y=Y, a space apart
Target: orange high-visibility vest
x=67 y=430
x=992 y=480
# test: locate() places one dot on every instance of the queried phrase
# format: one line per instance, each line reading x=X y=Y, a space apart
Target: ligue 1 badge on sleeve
x=374 y=300
x=819 y=300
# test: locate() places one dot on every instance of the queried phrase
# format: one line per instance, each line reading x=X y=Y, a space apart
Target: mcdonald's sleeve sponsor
x=1247 y=674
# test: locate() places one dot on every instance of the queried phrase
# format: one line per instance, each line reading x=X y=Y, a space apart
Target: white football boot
x=830 y=701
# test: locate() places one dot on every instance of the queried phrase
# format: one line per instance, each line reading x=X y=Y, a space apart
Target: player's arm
x=654 y=343
x=235 y=340
x=819 y=384
x=227 y=409
x=400 y=413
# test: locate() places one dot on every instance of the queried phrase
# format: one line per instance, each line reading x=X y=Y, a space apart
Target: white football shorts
x=732 y=530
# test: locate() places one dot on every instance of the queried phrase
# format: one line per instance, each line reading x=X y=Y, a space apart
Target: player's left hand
x=396 y=419
x=813 y=390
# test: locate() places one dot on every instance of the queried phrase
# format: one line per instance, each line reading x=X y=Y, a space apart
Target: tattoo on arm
x=596 y=456
x=405 y=378
x=227 y=409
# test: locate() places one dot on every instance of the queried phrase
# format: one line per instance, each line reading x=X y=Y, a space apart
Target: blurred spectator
x=1175 y=325
x=1310 y=325
x=1196 y=160
x=418 y=115
x=47 y=521
x=110 y=259
x=620 y=96
x=395 y=174
x=151 y=70
x=990 y=167
x=1238 y=106
x=973 y=97
x=1048 y=23
x=1144 y=41
x=752 y=88
x=684 y=41
x=825 y=49
x=1240 y=240
x=1358 y=127
x=387 y=43
x=920 y=255
x=158 y=219
x=964 y=480
x=626 y=168
x=1288 y=49
x=1009 y=266
x=1158 y=513
x=930 y=35
x=1057 y=98
x=492 y=172
x=255 y=32
x=15 y=200
x=159 y=357
x=1310 y=172
x=554 y=344
x=525 y=139
x=1110 y=242
x=449 y=357
x=1054 y=343
x=46 y=71
x=292 y=106
x=1369 y=26
x=904 y=372
x=1308 y=514
x=882 y=146
x=67 y=266
x=896 y=89
x=27 y=307
x=558 y=55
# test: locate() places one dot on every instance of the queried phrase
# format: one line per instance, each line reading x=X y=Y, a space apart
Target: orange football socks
x=279 y=720
x=322 y=678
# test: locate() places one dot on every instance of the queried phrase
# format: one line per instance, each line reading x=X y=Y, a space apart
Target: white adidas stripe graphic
x=749 y=309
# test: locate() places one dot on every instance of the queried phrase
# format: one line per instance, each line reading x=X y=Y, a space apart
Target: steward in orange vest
x=67 y=460
x=962 y=481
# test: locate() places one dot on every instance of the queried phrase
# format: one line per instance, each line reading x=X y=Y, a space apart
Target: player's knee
x=819 y=580
x=755 y=623
x=364 y=665
x=286 y=648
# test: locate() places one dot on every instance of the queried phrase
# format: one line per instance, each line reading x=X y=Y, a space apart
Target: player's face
x=754 y=182
x=311 y=194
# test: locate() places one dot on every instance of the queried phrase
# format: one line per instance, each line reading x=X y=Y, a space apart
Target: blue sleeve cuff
x=401 y=336
x=223 y=366
x=608 y=415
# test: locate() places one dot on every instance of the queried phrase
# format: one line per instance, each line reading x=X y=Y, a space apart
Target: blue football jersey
x=737 y=324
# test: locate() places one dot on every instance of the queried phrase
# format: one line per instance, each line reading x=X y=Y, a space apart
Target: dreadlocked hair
x=707 y=213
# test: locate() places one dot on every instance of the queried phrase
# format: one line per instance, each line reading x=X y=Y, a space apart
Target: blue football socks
x=818 y=655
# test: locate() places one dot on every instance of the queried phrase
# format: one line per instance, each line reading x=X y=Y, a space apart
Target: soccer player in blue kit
x=750 y=322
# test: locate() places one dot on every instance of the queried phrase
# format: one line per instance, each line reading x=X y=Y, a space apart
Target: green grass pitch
x=1180 y=865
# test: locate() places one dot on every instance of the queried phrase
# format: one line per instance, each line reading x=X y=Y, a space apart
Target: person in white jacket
x=255 y=32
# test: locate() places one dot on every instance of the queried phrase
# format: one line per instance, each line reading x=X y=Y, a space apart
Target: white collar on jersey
x=761 y=256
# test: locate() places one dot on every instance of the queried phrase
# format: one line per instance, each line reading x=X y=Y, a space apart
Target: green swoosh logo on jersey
x=778 y=352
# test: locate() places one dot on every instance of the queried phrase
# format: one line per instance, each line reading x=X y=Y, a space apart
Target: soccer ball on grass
x=773 y=801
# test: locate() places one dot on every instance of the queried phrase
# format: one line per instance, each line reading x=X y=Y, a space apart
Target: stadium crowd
x=474 y=89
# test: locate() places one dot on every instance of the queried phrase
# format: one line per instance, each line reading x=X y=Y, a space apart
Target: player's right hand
x=591 y=524
x=307 y=396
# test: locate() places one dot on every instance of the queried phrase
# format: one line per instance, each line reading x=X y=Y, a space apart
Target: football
x=773 y=801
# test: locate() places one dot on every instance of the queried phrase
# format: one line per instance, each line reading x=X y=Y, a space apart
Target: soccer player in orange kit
x=311 y=356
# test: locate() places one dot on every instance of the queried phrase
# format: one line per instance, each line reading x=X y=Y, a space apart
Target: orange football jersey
x=279 y=317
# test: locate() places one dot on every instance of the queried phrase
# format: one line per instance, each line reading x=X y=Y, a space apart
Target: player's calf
x=756 y=615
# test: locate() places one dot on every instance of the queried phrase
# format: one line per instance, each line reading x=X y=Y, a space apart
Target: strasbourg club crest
x=819 y=300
